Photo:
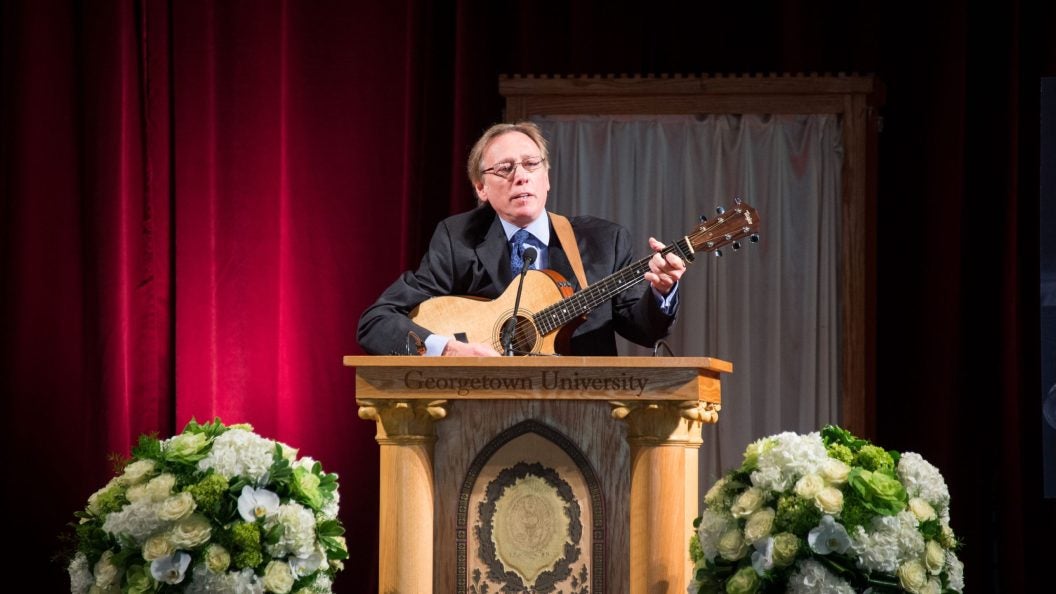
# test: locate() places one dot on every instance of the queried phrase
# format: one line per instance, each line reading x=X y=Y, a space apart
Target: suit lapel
x=493 y=254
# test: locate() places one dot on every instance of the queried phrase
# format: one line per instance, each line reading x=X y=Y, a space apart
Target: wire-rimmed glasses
x=506 y=168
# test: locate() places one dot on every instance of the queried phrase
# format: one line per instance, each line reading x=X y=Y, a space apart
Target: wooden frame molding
x=854 y=99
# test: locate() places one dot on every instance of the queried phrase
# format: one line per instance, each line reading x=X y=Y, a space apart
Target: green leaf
x=835 y=434
x=333 y=548
x=274 y=534
x=330 y=528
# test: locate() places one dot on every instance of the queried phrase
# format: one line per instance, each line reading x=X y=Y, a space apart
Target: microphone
x=509 y=329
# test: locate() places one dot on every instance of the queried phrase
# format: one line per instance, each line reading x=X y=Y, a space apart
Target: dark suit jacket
x=469 y=255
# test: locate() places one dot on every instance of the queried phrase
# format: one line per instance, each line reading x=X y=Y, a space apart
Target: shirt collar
x=540 y=228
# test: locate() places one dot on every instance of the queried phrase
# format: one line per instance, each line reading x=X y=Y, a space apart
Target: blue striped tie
x=518 y=242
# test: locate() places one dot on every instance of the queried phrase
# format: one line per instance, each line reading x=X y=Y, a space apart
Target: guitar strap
x=568 y=241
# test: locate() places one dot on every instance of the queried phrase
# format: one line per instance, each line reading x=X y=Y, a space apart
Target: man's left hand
x=664 y=271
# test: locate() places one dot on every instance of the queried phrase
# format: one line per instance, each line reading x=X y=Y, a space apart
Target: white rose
x=759 y=525
x=157 y=546
x=160 y=487
x=912 y=576
x=190 y=532
x=829 y=500
x=105 y=571
x=93 y=499
x=713 y=494
x=137 y=472
x=217 y=559
x=835 y=472
x=732 y=546
x=922 y=509
x=177 y=507
x=136 y=493
x=278 y=578
x=808 y=486
x=747 y=503
x=934 y=557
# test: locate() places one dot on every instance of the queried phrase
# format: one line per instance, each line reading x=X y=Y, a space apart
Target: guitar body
x=475 y=319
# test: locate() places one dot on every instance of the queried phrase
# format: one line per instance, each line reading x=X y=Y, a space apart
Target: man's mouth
x=520 y=196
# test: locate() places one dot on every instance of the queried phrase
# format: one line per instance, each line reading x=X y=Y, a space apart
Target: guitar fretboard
x=583 y=302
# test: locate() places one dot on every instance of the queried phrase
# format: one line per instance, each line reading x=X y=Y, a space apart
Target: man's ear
x=482 y=194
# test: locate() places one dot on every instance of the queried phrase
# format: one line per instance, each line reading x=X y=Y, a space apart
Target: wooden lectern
x=537 y=473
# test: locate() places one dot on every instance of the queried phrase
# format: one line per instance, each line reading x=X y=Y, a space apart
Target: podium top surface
x=565 y=362
x=572 y=378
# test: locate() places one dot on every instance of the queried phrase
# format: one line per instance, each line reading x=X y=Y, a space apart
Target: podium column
x=664 y=439
x=406 y=433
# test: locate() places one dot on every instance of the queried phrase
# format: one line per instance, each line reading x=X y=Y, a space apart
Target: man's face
x=521 y=197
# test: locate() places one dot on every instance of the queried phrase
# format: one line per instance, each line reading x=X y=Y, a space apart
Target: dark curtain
x=198 y=199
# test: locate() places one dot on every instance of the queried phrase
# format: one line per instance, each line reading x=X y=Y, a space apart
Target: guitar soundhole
x=524 y=336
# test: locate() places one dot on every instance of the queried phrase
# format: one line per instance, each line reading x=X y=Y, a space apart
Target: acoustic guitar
x=549 y=311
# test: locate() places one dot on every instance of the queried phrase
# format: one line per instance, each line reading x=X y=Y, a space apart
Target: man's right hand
x=454 y=348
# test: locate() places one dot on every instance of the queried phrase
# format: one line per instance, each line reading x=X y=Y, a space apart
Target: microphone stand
x=509 y=329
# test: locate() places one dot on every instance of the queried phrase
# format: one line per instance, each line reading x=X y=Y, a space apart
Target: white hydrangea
x=889 y=542
x=330 y=507
x=322 y=584
x=81 y=578
x=811 y=577
x=239 y=453
x=923 y=480
x=305 y=463
x=138 y=520
x=298 y=537
x=786 y=457
x=954 y=571
x=711 y=528
x=233 y=582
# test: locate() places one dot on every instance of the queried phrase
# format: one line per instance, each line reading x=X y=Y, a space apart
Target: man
x=470 y=255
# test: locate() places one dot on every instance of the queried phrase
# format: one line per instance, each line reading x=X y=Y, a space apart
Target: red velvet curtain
x=198 y=199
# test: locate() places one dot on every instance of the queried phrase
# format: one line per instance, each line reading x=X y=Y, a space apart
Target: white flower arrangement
x=214 y=509
x=826 y=513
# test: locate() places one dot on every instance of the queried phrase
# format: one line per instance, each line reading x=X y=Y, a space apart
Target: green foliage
x=855 y=513
x=840 y=452
x=209 y=493
x=695 y=552
x=795 y=515
x=871 y=457
x=148 y=448
x=245 y=545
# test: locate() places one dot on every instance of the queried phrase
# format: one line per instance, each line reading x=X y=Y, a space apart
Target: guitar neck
x=584 y=302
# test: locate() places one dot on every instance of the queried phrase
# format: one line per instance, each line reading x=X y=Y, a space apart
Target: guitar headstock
x=731 y=225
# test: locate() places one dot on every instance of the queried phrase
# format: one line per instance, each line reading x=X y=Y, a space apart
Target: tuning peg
x=738 y=200
x=720 y=209
x=718 y=253
x=754 y=238
x=703 y=218
x=736 y=245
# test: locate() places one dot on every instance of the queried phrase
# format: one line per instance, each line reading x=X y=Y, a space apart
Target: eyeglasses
x=506 y=168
